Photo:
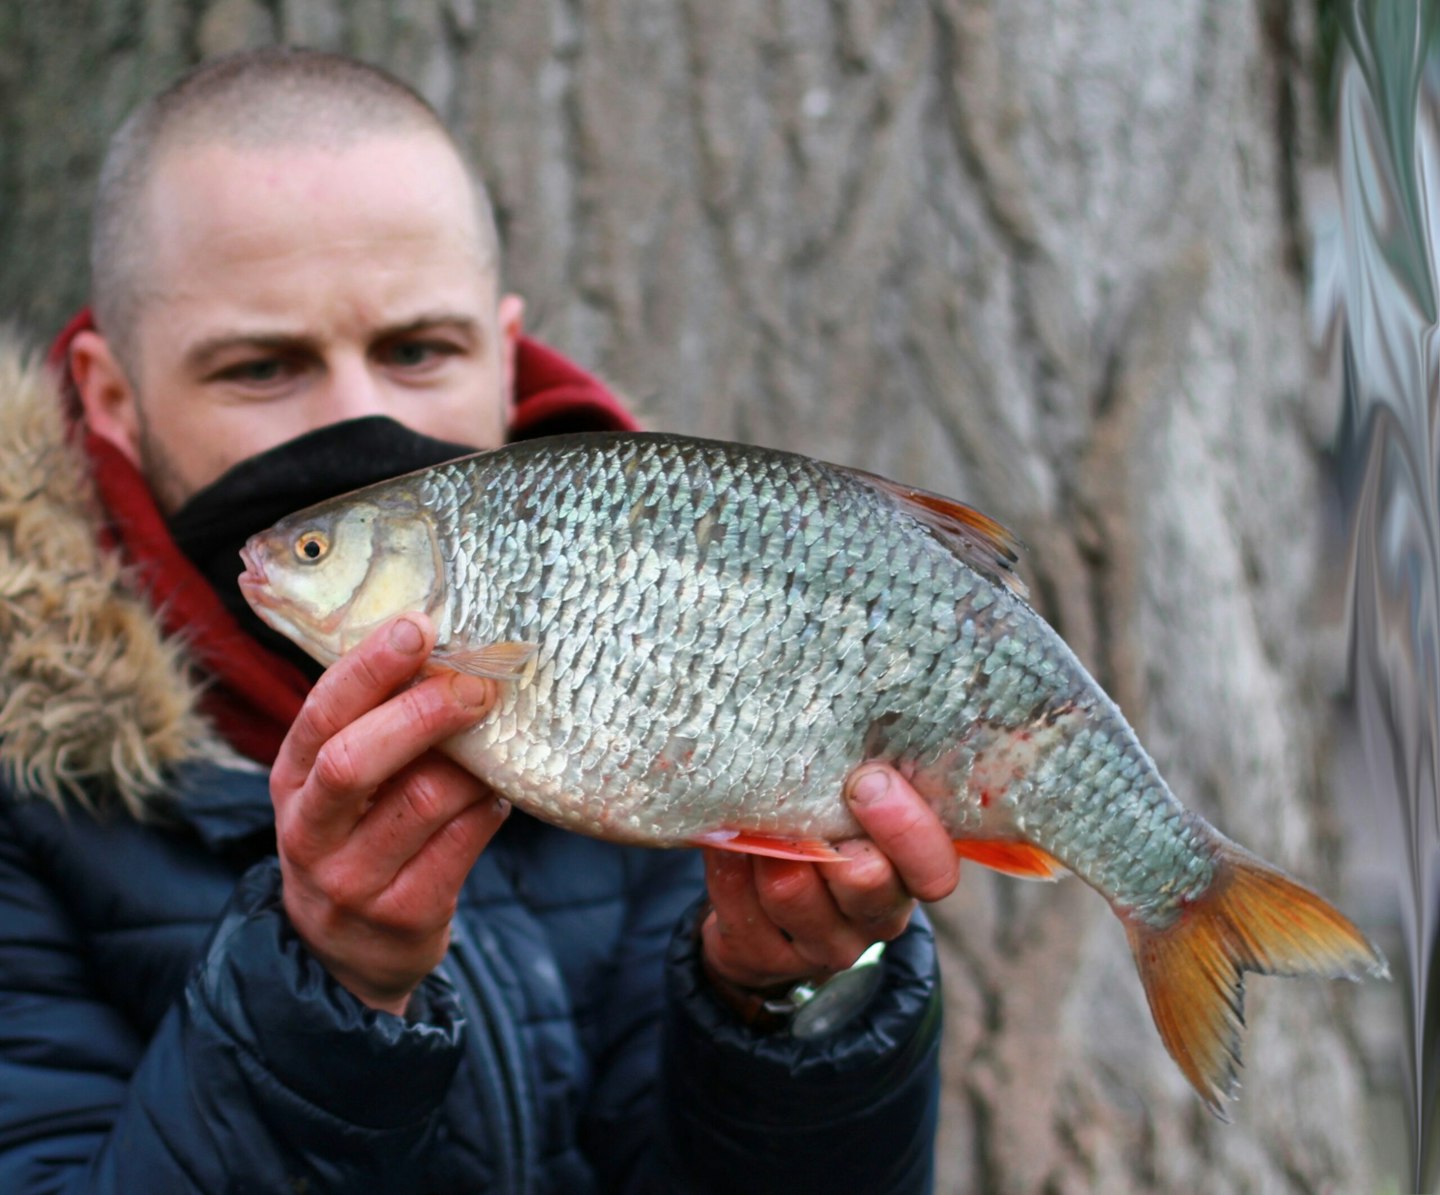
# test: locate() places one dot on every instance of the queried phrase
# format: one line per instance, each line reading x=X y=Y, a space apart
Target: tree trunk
x=1039 y=255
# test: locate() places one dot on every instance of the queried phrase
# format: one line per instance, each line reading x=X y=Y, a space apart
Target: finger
x=355 y=683
x=381 y=742
x=731 y=883
x=352 y=766
x=797 y=900
x=408 y=811
x=868 y=891
x=742 y=943
x=428 y=885
x=905 y=829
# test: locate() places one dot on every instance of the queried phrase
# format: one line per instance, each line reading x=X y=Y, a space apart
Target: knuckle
x=788 y=889
x=474 y=825
x=323 y=711
x=425 y=706
x=377 y=664
x=416 y=910
x=870 y=871
x=295 y=844
x=336 y=768
x=910 y=820
x=424 y=797
x=368 y=665
x=342 y=886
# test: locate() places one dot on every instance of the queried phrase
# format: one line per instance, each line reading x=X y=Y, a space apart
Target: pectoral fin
x=496 y=661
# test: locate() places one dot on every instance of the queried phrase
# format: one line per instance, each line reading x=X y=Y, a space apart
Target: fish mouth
x=254 y=580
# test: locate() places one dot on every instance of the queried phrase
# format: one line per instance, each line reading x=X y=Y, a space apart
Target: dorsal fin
x=984 y=544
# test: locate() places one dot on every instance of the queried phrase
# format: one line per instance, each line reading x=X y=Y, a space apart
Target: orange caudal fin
x=1252 y=918
x=806 y=850
x=1012 y=858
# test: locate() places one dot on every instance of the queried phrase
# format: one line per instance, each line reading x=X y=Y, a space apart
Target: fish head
x=327 y=576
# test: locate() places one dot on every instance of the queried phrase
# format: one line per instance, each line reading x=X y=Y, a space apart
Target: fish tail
x=1252 y=917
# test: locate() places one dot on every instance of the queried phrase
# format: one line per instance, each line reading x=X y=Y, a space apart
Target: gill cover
x=403 y=570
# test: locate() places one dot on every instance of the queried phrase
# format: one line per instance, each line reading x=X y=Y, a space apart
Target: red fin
x=982 y=542
x=1251 y=918
x=1013 y=858
x=806 y=850
x=497 y=661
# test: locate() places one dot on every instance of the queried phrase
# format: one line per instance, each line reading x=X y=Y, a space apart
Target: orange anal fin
x=1013 y=858
x=1252 y=917
x=982 y=542
x=495 y=661
x=805 y=850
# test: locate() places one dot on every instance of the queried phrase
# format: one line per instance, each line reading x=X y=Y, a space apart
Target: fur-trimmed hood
x=96 y=703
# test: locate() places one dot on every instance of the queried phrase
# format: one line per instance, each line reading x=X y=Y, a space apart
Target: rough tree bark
x=1042 y=255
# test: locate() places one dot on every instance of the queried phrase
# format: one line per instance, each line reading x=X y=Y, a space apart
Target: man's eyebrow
x=200 y=354
x=433 y=319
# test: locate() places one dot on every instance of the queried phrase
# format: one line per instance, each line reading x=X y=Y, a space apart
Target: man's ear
x=106 y=395
x=512 y=327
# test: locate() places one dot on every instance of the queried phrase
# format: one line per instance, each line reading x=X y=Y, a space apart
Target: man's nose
x=352 y=390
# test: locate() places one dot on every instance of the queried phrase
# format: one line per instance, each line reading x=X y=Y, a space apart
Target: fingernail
x=502 y=807
x=869 y=787
x=472 y=690
x=405 y=637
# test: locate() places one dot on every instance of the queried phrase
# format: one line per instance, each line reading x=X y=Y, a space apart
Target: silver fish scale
x=724 y=632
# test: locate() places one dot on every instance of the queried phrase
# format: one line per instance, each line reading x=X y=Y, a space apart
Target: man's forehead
x=218 y=195
x=376 y=202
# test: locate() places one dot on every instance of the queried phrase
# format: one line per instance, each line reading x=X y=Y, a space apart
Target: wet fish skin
x=717 y=635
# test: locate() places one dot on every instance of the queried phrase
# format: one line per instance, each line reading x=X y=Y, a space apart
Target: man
x=258 y=935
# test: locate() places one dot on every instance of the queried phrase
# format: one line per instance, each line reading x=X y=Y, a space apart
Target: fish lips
x=254 y=580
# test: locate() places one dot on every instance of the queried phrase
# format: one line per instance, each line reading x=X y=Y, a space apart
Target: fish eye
x=311 y=546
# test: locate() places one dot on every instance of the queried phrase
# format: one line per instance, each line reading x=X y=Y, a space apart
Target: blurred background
x=1153 y=284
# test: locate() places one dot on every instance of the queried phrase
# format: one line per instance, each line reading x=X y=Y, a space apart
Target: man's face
x=287 y=289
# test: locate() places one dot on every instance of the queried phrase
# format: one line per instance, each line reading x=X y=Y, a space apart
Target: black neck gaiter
x=213 y=525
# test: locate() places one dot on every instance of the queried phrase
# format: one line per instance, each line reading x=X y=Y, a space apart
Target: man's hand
x=774 y=921
x=376 y=832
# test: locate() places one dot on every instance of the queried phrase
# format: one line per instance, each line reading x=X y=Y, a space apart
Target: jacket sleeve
x=768 y=1113
x=732 y=1110
x=243 y=1087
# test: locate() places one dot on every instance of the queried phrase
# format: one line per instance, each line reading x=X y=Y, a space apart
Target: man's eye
x=258 y=372
x=408 y=354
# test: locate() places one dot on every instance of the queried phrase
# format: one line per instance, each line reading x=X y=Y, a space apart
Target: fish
x=698 y=641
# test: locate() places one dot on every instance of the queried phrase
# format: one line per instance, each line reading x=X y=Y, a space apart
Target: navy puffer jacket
x=163 y=1029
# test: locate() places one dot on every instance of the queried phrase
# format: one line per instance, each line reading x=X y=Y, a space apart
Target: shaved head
x=258 y=100
x=283 y=240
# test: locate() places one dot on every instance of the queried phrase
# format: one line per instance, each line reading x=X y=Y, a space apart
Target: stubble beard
x=158 y=468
